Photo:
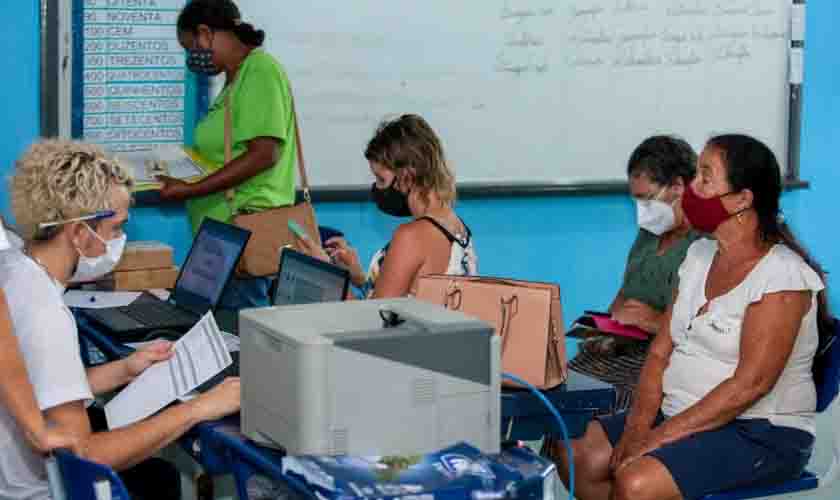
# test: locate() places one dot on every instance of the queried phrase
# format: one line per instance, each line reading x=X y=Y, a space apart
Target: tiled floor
x=827 y=425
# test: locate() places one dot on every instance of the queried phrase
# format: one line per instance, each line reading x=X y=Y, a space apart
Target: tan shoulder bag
x=525 y=314
x=269 y=227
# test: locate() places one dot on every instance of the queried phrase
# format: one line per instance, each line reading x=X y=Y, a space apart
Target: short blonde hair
x=58 y=179
x=409 y=142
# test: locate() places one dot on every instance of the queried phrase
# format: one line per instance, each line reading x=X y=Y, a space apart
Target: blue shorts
x=747 y=452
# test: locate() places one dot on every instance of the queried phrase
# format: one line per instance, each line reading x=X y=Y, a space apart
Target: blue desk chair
x=89 y=334
x=79 y=478
x=827 y=379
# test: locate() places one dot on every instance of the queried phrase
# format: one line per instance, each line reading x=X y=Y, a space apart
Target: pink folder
x=611 y=326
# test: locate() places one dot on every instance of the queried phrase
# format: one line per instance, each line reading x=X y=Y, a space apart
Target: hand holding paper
x=146 y=356
x=196 y=357
x=172 y=161
x=172 y=189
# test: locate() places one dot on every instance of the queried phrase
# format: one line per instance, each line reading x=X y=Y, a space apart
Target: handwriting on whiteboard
x=635 y=33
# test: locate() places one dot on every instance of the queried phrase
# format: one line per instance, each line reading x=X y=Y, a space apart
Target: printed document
x=198 y=356
x=171 y=161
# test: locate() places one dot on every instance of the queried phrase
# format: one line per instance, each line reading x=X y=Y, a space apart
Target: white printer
x=370 y=377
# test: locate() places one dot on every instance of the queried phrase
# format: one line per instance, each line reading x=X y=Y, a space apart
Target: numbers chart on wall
x=131 y=90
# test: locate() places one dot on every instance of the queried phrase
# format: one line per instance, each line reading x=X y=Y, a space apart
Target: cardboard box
x=140 y=279
x=145 y=255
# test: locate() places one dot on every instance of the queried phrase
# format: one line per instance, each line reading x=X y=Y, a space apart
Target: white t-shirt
x=49 y=342
x=707 y=347
x=8 y=239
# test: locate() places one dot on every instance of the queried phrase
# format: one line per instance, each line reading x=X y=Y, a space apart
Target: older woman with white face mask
x=659 y=170
x=70 y=202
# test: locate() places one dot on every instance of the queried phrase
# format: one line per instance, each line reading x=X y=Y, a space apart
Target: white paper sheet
x=199 y=355
x=170 y=161
x=98 y=300
x=231 y=342
x=160 y=293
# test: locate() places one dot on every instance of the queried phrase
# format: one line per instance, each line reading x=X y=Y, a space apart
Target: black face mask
x=390 y=200
x=200 y=62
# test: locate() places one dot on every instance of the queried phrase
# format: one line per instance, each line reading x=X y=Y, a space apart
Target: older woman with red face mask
x=728 y=381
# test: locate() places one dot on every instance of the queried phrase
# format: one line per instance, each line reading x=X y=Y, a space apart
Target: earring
x=740 y=217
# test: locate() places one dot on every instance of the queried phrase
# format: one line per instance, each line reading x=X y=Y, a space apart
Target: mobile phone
x=299 y=231
x=597 y=313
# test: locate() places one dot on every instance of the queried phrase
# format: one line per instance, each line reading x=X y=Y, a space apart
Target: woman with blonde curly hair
x=70 y=202
x=412 y=179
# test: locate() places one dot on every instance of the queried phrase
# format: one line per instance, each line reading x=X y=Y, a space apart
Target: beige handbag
x=526 y=315
x=269 y=228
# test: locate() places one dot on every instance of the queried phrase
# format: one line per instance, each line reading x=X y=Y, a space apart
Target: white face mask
x=655 y=216
x=91 y=268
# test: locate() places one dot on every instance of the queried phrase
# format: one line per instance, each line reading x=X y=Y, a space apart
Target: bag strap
x=304 y=179
x=230 y=193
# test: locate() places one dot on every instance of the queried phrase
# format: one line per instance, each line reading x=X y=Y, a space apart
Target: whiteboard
x=529 y=91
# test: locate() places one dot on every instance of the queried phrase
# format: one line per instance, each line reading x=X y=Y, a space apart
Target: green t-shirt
x=261 y=106
x=652 y=278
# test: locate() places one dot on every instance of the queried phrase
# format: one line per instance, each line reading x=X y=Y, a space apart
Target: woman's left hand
x=343 y=254
x=146 y=356
x=636 y=449
x=173 y=189
x=635 y=313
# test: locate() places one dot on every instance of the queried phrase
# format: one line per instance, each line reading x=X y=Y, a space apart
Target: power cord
x=563 y=429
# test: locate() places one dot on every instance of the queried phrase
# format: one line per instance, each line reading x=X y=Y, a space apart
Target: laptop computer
x=302 y=279
x=210 y=264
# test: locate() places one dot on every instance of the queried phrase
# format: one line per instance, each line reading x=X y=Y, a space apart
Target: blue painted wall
x=579 y=242
x=814 y=213
x=19 y=89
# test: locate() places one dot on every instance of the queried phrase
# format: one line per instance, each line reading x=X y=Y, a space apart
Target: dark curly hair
x=750 y=164
x=220 y=15
x=663 y=158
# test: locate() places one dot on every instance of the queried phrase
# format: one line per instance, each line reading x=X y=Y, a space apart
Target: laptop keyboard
x=116 y=322
x=158 y=314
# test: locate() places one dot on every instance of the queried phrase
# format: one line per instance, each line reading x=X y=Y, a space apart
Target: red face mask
x=704 y=214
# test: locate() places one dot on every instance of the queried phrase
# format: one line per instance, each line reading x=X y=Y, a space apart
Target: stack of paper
x=231 y=342
x=172 y=161
x=198 y=356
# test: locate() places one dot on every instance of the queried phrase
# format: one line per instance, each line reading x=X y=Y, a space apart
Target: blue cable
x=559 y=419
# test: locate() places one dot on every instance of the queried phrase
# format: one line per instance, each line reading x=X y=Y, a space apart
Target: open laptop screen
x=305 y=280
x=212 y=260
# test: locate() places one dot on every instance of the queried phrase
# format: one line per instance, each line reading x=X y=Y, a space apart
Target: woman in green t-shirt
x=659 y=169
x=261 y=174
